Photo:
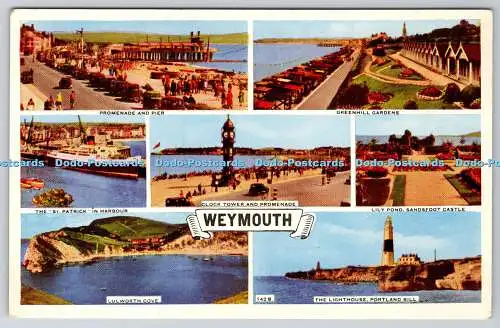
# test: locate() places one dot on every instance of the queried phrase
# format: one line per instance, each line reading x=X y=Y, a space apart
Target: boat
x=84 y=157
x=36 y=183
x=25 y=184
x=208 y=259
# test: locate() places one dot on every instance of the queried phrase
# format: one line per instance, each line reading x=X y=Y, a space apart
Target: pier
x=322 y=96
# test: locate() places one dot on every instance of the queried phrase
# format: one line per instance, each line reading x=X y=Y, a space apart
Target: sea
x=297 y=291
x=273 y=58
x=455 y=140
x=90 y=190
x=229 y=52
x=178 y=279
x=246 y=160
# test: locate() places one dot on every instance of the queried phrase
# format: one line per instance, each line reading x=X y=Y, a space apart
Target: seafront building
x=458 y=60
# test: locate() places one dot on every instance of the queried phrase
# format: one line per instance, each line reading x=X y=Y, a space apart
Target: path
x=430 y=189
x=322 y=96
x=393 y=80
x=435 y=78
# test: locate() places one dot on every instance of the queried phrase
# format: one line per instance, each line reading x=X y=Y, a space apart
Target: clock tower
x=228 y=139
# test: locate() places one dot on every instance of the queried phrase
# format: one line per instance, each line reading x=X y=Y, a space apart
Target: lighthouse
x=388 y=246
x=228 y=139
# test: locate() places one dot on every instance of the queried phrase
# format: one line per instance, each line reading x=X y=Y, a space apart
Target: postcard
x=240 y=163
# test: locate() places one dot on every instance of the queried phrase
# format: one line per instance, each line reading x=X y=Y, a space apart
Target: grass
x=240 y=298
x=473 y=134
x=32 y=296
x=401 y=93
x=134 y=37
x=132 y=227
x=398 y=190
x=472 y=198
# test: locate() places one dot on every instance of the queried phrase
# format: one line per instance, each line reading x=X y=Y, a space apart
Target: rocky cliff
x=457 y=274
x=114 y=237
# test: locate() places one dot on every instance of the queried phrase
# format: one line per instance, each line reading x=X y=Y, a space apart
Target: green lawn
x=240 y=298
x=134 y=37
x=32 y=296
x=401 y=93
x=470 y=197
x=398 y=190
x=128 y=227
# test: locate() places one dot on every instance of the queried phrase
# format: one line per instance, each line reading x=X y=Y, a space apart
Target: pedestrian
x=59 y=100
x=173 y=88
x=51 y=104
x=199 y=188
x=31 y=105
x=241 y=98
x=229 y=98
x=72 y=99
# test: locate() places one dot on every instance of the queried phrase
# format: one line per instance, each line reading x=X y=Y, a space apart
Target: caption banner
x=206 y=221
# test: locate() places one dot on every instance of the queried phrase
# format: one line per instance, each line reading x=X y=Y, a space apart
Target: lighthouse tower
x=228 y=140
x=388 y=247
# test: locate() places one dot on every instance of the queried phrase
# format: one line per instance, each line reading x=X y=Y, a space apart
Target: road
x=308 y=191
x=323 y=95
x=46 y=80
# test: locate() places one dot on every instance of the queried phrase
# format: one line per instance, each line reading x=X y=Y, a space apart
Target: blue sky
x=449 y=125
x=151 y=26
x=341 y=239
x=33 y=224
x=85 y=118
x=258 y=131
x=350 y=28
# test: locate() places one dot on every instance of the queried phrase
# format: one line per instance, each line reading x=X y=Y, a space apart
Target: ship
x=86 y=158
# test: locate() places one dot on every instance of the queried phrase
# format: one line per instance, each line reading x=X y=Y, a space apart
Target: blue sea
x=273 y=58
x=229 y=52
x=297 y=291
x=439 y=139
x=178 y=279
x=89 y=190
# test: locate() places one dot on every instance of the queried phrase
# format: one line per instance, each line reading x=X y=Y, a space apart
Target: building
x=409 y=259
x=458 y=60
x=33 y=41
x=388 y=245
x=404 y=33
x=183 y=51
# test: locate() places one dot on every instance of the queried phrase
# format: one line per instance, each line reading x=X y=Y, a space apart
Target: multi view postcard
x=251 y=163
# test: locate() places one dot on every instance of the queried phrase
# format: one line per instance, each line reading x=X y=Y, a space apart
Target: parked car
x=65 y=82
x=257 y=189
x=177 y=202
x=27 y=77
x=151 y=100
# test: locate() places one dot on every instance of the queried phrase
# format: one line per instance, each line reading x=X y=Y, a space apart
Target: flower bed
x=375 y=97
x=378 y=155
x=422 y=168
x=430 y=93
x=472 y=176
x=470 y=157
x=374 y=171
x=445 y=156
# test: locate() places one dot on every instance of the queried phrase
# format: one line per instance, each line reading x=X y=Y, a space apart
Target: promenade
x=323 y=95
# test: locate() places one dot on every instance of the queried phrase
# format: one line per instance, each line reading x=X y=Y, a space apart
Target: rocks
x=456 y=274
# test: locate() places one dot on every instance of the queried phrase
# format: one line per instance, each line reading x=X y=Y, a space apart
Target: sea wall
x=456 y=274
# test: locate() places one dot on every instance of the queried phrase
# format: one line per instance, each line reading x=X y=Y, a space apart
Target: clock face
x=231 y=134
x=225 y=134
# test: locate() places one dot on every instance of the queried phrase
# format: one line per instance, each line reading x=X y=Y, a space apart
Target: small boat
x=103 y=289
x=36 y=183
x=25 y=184
x=208 y=259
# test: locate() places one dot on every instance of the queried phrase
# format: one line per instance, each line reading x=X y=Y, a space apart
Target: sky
x=151 y=26
x=85 y=118
x=444 y=125
x=257 y=131
x=33 y=224
x=341 y=239
x=348 y=28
